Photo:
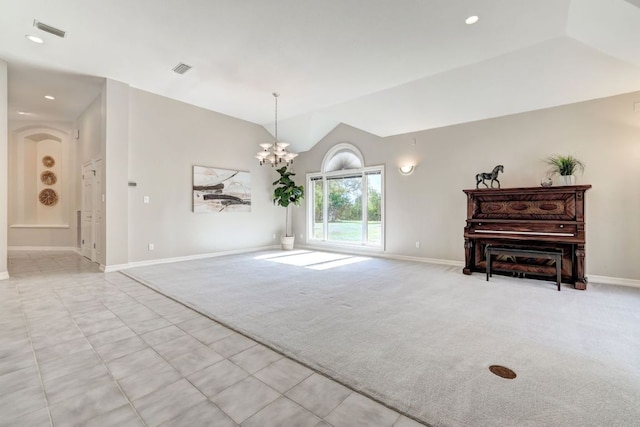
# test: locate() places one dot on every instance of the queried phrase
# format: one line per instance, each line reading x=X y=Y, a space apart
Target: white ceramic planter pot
x=566 y=180
x=287 y=242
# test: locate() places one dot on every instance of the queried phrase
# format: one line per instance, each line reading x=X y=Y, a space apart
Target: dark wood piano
x=537 y=218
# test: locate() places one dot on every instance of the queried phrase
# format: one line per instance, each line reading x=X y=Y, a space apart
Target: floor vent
x=181 y=68
x=49 y=29
x=502 y=371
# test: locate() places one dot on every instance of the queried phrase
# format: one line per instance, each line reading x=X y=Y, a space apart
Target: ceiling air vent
x=49 y=29
x=181 y=68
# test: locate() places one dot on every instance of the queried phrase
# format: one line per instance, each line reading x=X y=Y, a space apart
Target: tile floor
x=79 y=347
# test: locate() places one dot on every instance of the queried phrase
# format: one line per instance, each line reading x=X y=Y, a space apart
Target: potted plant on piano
x=285 y=194
x=565 y=167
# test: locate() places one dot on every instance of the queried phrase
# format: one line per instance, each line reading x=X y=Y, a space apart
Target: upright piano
x=536 y=218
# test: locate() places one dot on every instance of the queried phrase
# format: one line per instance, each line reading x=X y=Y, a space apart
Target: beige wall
x=429 y=205
x=166 y=139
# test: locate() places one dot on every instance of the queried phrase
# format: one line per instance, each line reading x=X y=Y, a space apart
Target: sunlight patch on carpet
x=313 y=260
x=281 y=254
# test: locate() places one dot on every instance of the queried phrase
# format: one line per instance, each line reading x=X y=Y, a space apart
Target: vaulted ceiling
x=386 y=67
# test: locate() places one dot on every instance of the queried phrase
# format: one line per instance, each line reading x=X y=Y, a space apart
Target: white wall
x=429 y=205
x=89 y=125
x=167 y=138
x=115 y=153
x=4 y=131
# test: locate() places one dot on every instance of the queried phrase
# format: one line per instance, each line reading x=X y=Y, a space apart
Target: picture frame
x=220 y=190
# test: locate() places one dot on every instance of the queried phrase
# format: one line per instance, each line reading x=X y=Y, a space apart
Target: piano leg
x=581 y=281
x=468 y=247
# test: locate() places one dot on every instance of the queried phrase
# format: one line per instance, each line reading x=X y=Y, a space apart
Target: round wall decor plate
x=48 y=178
x=48 y=197
x=48 y=161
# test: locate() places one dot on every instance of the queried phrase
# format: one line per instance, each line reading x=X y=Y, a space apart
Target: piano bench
x=554 y=255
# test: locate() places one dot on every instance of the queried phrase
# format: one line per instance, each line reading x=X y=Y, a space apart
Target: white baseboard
x=112 y=268
x=619 y=281
x=4 y=275
x=43 y=248
x=118 y=267
x=448 y=262
x=39 y=226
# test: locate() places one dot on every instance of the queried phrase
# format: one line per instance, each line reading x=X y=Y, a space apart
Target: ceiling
x=386 y=67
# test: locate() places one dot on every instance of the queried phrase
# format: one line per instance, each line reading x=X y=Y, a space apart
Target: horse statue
x=493 y=176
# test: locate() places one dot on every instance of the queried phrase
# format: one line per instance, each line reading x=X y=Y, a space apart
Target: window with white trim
x=346 y=200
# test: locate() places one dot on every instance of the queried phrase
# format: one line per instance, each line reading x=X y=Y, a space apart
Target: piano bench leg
x=488 y=268
x=558 y=270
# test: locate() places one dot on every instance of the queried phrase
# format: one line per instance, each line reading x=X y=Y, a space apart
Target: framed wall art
x=221 y=190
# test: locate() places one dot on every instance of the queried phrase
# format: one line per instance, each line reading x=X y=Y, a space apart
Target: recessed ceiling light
x=34 y=39
x=22 y=113
x=50 y=97
x=471 y=20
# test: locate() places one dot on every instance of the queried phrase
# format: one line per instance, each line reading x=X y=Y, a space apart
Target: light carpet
x=420 y=337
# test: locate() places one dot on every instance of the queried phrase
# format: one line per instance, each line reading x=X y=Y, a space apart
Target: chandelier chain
x=276 y=97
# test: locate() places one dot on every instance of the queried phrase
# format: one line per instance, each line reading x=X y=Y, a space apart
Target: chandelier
x=275 y=153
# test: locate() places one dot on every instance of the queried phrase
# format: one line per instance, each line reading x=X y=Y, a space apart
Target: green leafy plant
x=564 y=165
x=287 y=193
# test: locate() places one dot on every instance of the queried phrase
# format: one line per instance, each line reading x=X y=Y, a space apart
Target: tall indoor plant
x=565 y=167
x=285 y=194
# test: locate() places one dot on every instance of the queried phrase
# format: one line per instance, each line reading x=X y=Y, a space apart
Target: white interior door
x=98 y=211
x=92 y=210
x=86 y=230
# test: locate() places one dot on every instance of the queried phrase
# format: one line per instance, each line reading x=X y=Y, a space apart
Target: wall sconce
x=406 y=169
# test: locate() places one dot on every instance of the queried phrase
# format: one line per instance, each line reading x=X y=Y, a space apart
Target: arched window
x=342 y=156
x=346 y=200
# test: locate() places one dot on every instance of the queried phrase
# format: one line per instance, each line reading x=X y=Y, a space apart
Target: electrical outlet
x=274 y=236
x=418 y=244
x=301 y=236
x=145 y=199
x=151 y=246
x=636 y=107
